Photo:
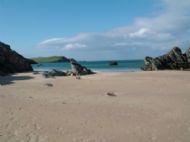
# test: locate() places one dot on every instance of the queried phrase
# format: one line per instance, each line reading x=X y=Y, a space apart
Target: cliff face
x=12 y=62
x=173 y=60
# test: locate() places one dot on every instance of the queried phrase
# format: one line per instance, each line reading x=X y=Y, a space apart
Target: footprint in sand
x=31 y=137
x=37 y=127
x=60 y=130
x=83 y=138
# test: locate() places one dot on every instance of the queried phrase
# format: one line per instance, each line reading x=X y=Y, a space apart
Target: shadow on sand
x=6 y=80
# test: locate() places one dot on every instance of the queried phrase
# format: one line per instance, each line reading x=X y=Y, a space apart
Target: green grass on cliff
x=51 y=59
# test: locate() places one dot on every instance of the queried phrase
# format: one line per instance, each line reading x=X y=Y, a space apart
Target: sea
x=97 y=66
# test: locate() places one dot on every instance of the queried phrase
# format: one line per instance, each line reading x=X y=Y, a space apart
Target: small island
x=113 y=63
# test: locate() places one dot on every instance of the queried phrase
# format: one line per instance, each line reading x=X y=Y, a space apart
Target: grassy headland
x=51 y=59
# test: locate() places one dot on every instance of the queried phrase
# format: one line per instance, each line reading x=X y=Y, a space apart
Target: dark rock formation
x=53 y=73
x=173 y=60
x=113 y=63
x=187 y=53
x=32 y=61
x=12 y=62
x=78 y=69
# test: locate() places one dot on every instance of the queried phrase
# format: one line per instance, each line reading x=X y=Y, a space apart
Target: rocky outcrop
x=77 y=69
x=53 y=73
x=12 y=62
x=32 y=61
x=113 y=63
x=187 y=53
x=173 y=60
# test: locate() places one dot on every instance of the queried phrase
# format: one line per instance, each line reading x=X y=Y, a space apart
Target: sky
x=95 y=29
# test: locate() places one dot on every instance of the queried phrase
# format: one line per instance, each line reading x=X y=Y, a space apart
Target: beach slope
x=144 y=107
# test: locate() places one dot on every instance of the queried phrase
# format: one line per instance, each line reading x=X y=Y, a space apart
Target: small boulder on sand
x=111 y=94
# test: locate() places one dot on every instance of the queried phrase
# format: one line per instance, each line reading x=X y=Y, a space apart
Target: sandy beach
x=147 y=107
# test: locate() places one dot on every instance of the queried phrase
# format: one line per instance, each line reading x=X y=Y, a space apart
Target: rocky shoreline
x=12 y=62
x=173 y=60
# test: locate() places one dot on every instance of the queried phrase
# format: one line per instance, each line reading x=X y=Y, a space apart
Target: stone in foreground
x=53 y=73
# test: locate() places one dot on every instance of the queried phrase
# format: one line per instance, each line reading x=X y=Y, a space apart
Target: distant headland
x=50 y=59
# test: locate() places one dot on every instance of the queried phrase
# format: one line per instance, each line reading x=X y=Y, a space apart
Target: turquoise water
x=102 y=66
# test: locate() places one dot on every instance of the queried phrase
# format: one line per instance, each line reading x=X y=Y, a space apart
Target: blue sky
x=95 y=29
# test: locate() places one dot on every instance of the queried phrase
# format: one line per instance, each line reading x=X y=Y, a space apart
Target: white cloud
x=74 y=45
x=170 y=27
x=140 y=33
